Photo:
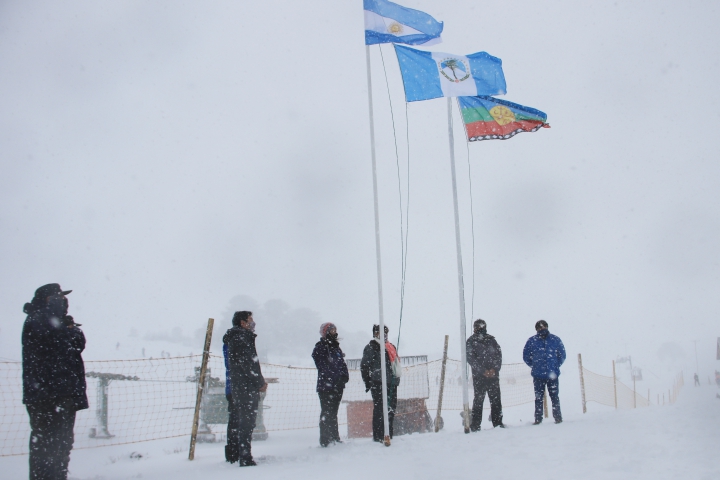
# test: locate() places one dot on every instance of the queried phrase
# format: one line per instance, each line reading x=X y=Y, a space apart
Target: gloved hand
x=69 y=321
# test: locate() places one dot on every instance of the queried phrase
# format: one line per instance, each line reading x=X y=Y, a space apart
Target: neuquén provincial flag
x=428 y=75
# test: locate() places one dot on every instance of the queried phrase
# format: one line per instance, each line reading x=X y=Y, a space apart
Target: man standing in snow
x=232 y=450
x=485 y=358
x=332 y=377
x=544 y=353
x=246 y=381
x=53 y=380
x=370 y=368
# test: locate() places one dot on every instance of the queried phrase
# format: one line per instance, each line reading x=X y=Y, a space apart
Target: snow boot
x=231 y=454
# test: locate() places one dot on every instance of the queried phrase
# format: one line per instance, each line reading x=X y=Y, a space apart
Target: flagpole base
x=386 y=441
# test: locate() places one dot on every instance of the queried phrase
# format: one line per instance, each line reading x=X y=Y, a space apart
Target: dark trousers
x=232 y=449
x=377 y=422
x=246 y=407
x=553 y=388
x=491 y=386
x=329 y=406
x=51 y=438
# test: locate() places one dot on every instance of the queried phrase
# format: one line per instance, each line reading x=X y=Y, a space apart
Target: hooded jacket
x=331 y=366
x=243 y=364
x=52 y=361
x=370 y=367
x=483 y=353
x=544 y=353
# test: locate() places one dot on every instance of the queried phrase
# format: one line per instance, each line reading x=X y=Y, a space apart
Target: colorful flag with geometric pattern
x=488 y=118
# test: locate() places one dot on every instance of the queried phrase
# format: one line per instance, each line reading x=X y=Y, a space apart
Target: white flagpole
x=461 y=286
x=386 y=423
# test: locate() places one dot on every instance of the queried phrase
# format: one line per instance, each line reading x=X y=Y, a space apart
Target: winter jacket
x=483 y=353
x=52 y=348
x=370 y=367
x=544 y=353
x=228 y=388
x=243 y=363
x=331 y=366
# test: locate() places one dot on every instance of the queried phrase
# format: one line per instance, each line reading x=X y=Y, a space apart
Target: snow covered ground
x=667 y=442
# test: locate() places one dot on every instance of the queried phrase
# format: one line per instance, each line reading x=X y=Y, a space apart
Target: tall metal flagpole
x=381 y=339
x=461 y=285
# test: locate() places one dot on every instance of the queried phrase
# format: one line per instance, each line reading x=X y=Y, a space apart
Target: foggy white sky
x=161 y=158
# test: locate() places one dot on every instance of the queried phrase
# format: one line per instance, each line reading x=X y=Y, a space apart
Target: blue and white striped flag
x=387 y=22
x=429 y=75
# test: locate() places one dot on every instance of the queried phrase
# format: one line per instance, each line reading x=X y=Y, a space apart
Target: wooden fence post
x=438 y=418
x=201 y=387
x=582 y=383
x=615 y=384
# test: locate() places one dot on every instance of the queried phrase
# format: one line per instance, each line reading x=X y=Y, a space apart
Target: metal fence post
x=582 y=383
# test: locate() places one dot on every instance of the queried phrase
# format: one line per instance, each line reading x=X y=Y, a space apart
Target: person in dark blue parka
x=544 y=353
x=232 y=448
x=54 y=386
x=246 y=382
x=332 y=377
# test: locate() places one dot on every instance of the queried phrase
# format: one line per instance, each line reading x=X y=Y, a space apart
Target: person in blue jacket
x=54 y=386
x=544 y=353
x=332 y=377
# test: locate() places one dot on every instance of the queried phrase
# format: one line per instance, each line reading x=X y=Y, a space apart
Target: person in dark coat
x=370 y=368
x=232 y=449
x=332 y=377
x=54 y=387
x=544 y=353
x=485 y=358
x=246 y=380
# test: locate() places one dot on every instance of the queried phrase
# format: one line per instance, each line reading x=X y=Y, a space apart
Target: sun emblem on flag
x=395 y=28
x=454 y=69
x=502 y=115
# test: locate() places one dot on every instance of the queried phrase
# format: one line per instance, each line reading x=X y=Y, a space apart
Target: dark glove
x=367 y=387
x=69 y=321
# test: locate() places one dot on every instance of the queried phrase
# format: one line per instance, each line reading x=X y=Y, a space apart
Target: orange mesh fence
x=599 y=388
x=151 y=399
x=613 y=393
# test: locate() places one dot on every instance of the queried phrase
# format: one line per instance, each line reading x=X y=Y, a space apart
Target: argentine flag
x=387 y=22
x=429 y=75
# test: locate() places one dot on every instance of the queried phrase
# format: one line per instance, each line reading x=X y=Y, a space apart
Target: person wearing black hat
x=485 y=358
x=370 y=369
x=54 y=385
x=544 y=353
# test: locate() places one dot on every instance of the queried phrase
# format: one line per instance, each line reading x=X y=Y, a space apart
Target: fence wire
x=151 y=399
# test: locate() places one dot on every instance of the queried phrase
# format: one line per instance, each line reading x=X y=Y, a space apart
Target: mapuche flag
x=429 y=75
x=388 y=22
x=488 y=118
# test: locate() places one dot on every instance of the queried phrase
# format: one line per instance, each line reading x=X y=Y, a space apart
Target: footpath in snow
x=666 y=442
